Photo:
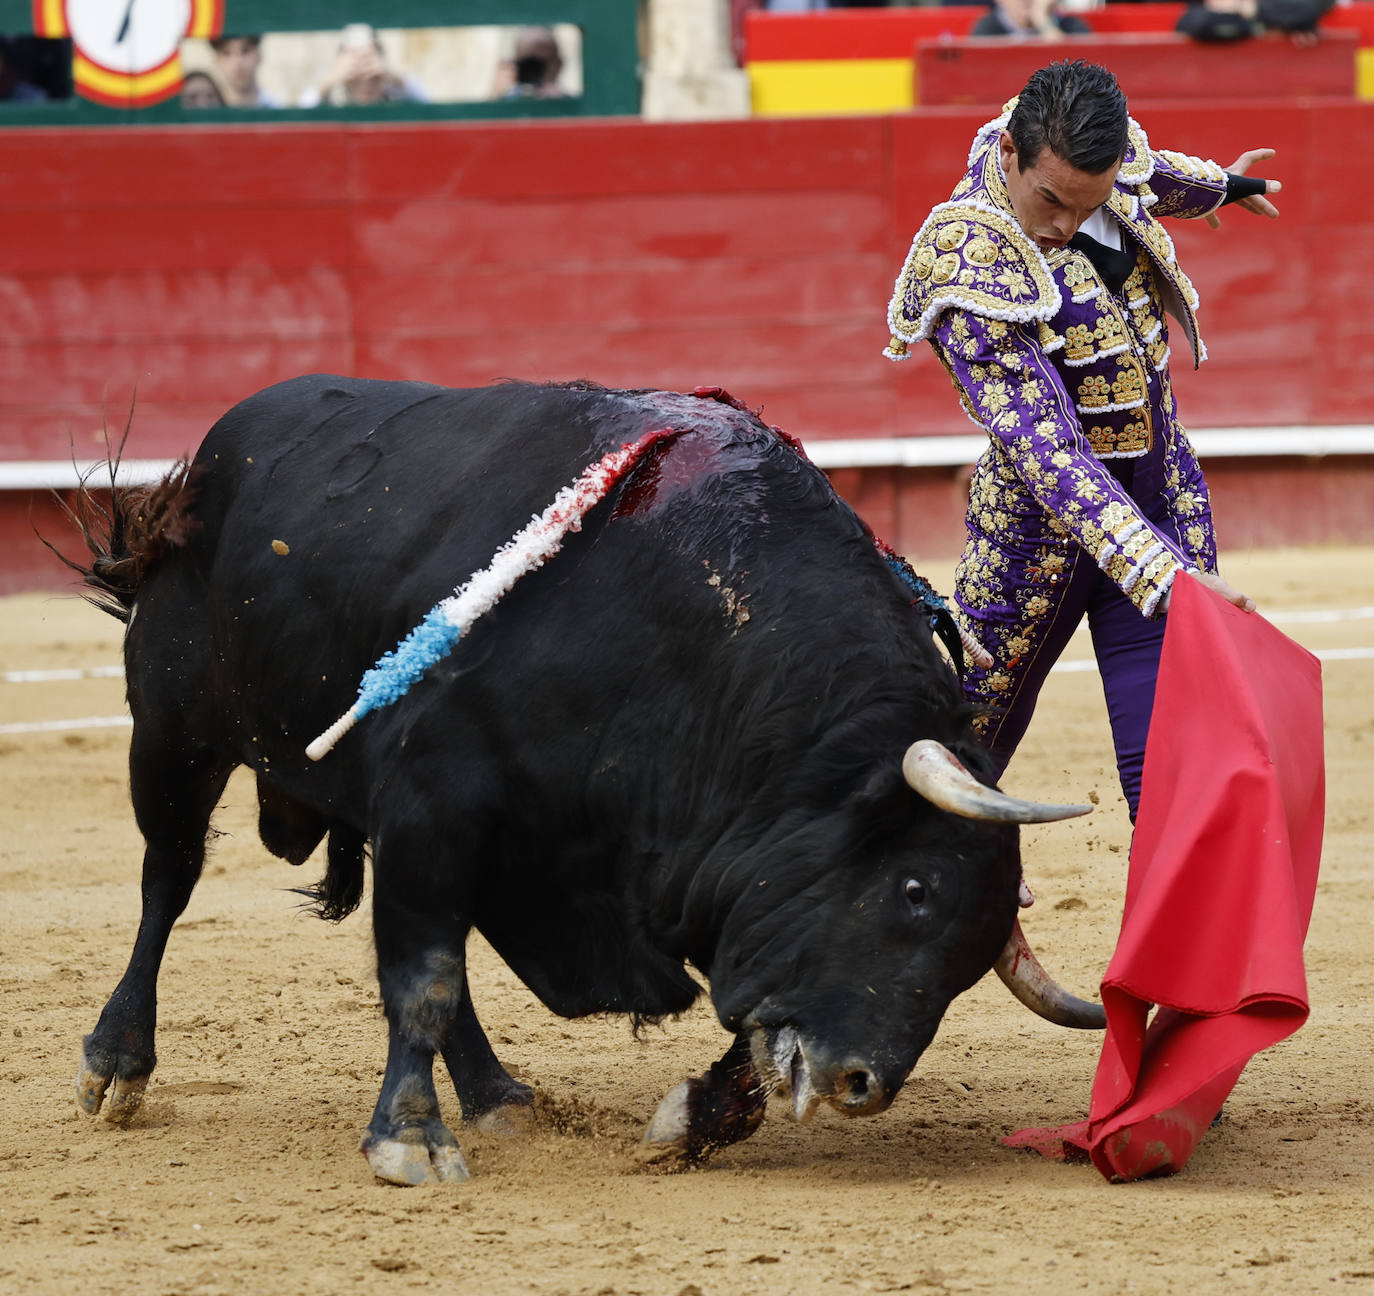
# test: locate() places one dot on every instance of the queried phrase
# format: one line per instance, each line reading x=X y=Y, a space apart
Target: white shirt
x=1103 y=228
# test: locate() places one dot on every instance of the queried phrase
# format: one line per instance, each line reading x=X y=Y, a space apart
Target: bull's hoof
x=416 y=1157
x=668 y=1142
x=93 y=1086
x=509 y=1120
x=724 y=1106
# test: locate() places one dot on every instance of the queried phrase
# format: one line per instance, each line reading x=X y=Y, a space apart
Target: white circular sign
x=128 y=36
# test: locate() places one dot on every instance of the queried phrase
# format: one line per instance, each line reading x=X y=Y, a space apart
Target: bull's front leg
x=724 y=1106
x=406 y=1141
x=418 y=925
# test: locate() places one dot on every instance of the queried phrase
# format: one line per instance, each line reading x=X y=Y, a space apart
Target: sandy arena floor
x=242 y=1173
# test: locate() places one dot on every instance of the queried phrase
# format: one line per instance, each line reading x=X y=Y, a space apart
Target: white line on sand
x=119 y=721
x=1321 y=654
x=56 y=726
x=63 y=673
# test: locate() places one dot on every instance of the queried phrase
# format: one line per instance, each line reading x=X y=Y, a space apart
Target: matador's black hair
x=1077 y=110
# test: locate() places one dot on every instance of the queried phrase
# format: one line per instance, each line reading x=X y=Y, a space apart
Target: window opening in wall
x=360 y=65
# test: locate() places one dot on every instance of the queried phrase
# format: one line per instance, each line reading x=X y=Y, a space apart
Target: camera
x=531 y=70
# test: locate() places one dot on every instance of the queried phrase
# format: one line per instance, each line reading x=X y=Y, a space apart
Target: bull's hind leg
x=724 y=1106
x=493 y=1101
x=173 y=793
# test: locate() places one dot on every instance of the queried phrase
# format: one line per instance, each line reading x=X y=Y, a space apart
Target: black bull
x=678 y=743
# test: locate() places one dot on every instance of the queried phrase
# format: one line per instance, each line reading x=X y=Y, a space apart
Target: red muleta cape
x=1222 y=877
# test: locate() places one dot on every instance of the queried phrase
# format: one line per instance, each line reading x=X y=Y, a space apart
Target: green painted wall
x=610 y=60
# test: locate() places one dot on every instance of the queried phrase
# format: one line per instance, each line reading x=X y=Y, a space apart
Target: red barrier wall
x=201 y=263
x=891 y=33
x=974 y=69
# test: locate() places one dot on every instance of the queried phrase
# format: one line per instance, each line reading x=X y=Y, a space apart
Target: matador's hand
x=1218 y=585
x=1256 y=203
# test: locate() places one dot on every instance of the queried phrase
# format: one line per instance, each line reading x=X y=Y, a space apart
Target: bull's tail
x=125 y=540
x=338 y=893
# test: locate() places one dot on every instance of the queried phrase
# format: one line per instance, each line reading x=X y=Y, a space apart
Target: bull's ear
x=975 y=758
x=884 y=793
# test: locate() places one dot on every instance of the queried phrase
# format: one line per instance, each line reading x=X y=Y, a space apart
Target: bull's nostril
x=858 y=1085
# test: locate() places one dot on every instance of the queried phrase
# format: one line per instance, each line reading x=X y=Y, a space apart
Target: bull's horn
x=1022 y=974
x=935 y=772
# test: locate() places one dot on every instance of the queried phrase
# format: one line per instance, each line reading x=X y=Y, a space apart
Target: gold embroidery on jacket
x=1078 y=342
x=1129 y=386
x=945 y=268
x=1078 y=276
x=1108 y=442
x=1110 y=332
x=1094 y=392
x=981 y=252
x=948 y=237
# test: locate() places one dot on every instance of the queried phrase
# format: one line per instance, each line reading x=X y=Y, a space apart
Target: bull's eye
x=915 y=892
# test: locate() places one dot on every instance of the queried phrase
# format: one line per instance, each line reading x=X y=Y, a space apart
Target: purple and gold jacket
x=1065 y=377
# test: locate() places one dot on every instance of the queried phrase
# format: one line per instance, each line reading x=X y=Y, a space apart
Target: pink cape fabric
x=1222 y=877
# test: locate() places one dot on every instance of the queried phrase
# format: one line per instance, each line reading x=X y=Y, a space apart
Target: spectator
x=1232 y=20
x=361 y=75
x=237 y=59
x=14 y=88
x=802 y=6
x=533 y=71
x=201 y=90
x=1029 y=19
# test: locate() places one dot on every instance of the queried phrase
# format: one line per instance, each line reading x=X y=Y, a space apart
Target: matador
x=1046 y=286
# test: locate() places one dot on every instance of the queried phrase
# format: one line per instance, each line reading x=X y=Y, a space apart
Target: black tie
x=1113 y=266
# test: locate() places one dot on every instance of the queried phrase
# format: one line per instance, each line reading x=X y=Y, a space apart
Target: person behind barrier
x=237 y=59
x=1029 y=20
x=362 y=76
x=1217 y=21
x=199 y=89
x=534 y=67
x=1043 y=286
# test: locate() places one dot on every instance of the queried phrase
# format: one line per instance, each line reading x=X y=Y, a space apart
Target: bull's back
x=328 y=497
x=330 y=454
x=336 y=512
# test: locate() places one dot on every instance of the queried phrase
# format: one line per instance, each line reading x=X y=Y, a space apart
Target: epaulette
x=1138 y=162
x=1194 y=168
x=969 y=256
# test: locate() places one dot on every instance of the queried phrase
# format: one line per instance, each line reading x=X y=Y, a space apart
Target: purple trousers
x=1126 y=644
x=1127 y=647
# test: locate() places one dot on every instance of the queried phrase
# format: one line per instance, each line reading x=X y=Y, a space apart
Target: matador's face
x=1052 y=199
